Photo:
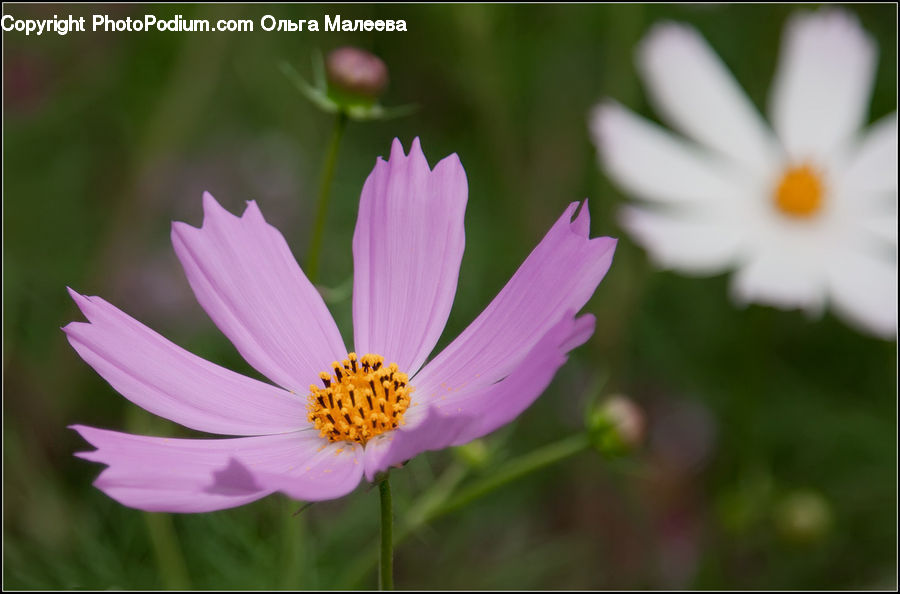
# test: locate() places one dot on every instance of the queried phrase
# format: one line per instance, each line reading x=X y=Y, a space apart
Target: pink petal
x=407 y=250
x=560 y=275
x=168 y=381
x=454 y=418
x=496 y=405
x=581 y=331
x=198 y=475
x=246 y=279
x=430 y=431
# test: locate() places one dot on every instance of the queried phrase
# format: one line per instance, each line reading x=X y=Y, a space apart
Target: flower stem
x=386 y=566
x=160 y=526
x=515 y=469
x=166 y=549
x=437 y=502
x=425 y=506
x=315 y=246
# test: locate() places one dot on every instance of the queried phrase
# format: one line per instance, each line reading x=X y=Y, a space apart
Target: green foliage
x=752 y=414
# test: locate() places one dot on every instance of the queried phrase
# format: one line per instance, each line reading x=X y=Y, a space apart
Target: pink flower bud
x=357 y=72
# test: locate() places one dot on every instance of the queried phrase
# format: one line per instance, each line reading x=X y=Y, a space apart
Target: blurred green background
x=770 y=455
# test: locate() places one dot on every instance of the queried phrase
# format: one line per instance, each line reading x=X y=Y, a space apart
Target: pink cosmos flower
x=333 y=416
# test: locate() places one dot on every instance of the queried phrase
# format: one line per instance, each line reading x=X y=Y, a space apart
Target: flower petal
x=863 y=290
x=881 y=227
x=244 y=276
x=496 y=405
x=873 y=167
x=451 y=417
x=168 y=381
x=429 y=431
x=784 y=278
x=329 y=471
x=821 y=89
x=407 y=249
x=197 y=475
x=655 y=165
x=559 y=275
x=692 y=88
x=699 y=243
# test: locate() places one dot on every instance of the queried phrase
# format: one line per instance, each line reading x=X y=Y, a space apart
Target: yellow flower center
x=362 y=399
x=800 y=192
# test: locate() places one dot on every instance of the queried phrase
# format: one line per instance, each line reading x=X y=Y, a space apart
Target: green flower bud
x=348 y=82
x=803 y=517
x=616 y=426
x=475 y=453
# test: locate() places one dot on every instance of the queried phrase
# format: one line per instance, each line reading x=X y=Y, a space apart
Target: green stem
x=436 y=502
x=420 y=513
x=386 y=567
x=164 y=541
x=167 y=551
x=315 y=246
x=516 y=469
x=417 y=515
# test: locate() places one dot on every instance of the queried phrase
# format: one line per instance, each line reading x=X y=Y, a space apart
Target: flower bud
x=617 y=425
x=803 y=517
x=356 y=74
x=475 y=453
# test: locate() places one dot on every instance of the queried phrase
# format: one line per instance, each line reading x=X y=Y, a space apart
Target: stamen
x=386 y=397
x=800 y=192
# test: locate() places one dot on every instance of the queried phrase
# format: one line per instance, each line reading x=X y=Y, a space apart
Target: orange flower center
x=362 y=399
x=800 y=192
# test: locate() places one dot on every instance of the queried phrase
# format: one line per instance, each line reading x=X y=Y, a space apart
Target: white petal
x=691 y=243
x=821 y=89
x=864 y=291
x=655 y=165
x=787 y=278
x=873 y=166
x=692 y=88
x=881 y=227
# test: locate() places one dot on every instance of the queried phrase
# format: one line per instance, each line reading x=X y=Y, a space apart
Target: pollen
x=361 y=399
x=799 y=193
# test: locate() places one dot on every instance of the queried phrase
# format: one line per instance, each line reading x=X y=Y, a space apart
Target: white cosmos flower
x=805 y=211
